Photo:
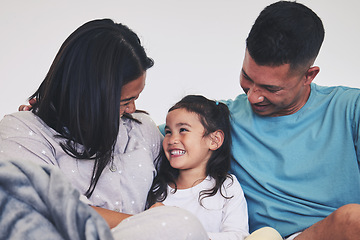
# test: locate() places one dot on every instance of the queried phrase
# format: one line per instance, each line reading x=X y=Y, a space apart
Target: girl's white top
x=222 y=218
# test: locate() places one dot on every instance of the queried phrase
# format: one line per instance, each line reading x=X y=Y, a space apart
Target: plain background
x=198 y=45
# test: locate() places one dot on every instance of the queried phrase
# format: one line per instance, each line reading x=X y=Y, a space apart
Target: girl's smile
x=176 y=153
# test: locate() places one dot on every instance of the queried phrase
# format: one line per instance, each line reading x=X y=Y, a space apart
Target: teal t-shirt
x=295 y=170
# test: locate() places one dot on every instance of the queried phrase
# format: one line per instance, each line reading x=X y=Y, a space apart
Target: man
x=296 y=144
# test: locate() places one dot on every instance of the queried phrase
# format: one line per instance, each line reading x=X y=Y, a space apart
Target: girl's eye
x=183 y=130
x=167 y=132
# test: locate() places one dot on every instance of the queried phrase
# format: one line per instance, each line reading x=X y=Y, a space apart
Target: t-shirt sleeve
x=356 y=127
x=23 y=141
x=235 y=214
x=162 y=129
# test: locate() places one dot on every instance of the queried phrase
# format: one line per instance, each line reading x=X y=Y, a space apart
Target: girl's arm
x=235 y=214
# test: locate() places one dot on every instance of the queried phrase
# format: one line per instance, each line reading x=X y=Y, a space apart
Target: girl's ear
x=216 y=139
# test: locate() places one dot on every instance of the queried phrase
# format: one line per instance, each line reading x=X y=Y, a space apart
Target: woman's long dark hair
x=213 y=116
x=80 y=95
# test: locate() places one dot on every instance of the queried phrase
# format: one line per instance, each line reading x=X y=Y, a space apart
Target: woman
x=96 y=76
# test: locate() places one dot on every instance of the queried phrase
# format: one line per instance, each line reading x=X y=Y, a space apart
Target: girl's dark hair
x=213 y=116
x=80 y=95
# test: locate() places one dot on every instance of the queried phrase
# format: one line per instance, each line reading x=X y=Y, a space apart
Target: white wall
x=197 y=45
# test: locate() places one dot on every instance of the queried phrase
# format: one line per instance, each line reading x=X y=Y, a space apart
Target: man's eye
x=272 y=90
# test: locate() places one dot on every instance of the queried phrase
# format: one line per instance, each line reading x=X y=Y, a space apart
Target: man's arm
x=344 y=223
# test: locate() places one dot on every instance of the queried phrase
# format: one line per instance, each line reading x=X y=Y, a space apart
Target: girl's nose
x=173 y=140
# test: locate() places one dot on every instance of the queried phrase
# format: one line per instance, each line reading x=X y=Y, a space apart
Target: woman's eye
x=125 y=104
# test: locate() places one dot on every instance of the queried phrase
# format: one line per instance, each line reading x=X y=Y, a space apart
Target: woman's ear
x=216 y=139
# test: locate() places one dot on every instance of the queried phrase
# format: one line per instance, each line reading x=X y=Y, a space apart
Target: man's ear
x=311 y=74
x=216 y=139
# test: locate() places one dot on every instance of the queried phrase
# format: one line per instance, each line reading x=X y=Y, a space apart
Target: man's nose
x=254 y=95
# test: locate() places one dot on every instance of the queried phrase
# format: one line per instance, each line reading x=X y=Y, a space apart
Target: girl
x=197 y=146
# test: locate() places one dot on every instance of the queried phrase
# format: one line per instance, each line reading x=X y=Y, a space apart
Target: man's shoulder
x=237 y=100
x=345 y=94
x=335 y=89
x=239 y=106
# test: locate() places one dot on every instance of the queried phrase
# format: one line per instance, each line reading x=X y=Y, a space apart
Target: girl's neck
x=188 y=179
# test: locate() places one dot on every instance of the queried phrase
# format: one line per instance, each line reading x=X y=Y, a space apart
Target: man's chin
x=262 y=110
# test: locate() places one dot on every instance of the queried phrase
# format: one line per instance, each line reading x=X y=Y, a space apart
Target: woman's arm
x=114 y=218
x=111 y=217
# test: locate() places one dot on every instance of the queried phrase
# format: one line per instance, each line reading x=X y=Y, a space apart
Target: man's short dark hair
x=285 y=33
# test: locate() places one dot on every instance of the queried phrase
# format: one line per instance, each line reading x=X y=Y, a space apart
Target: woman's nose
x=130 y=108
